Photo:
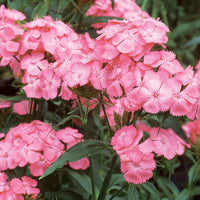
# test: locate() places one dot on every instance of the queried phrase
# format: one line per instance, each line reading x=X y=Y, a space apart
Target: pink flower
x=192 y=130
x=6 y=156
x=4 y=104
x=25 y=186
x=167 y=143
x=79 y=74
x=125 y=138
x=136 y=166
x=12 y=15
x=157 y=95
x=79 y=164
x=22 y=107
x=38 y=168
x=181 y=103
x=49 y=84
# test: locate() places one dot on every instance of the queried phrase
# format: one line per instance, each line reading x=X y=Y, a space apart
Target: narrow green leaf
x=16 y=4
x=132 y=192
x=152 y=189
x=82 y=179
x=193 y=174
x=193 y=41
x=162 y=185
x=126 y=118
x=152 y=122
x=184 y=195
x=76 y=6
x=113 y=4
x=195 y=191
x=168 y=187
x=106 y=182
x=97 y=121
x=117 y=119
x=184 y=28
x=189 y=154
x=89 y=20
x=81 y=150
x=66 y=119
x=41 y=9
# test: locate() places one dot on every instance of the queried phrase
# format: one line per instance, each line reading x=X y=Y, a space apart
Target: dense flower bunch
x=16 y=188
x=137 y=158
x=51 y=60
x=125 y=9
x=37 y=145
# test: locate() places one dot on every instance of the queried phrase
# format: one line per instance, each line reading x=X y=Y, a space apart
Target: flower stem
x=117 y=192
x=92 y=178
x=106 y=182
x=106 y=118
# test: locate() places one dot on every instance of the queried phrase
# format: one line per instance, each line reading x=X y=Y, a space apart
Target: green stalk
x=116 y=193
x=106 y=182
x=90 y=159
x=106 y=118
x=92 y=178
x=144 y=5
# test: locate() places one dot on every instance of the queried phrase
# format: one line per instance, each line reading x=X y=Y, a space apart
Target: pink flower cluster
x=9 y=34
x=192 y=130
x=48 y=56
x=15 y=189
x=120 y=61
x=137 y=158
x=125 y=9
x=36 y=144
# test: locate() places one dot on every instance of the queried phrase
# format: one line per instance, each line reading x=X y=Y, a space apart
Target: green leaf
x=152 y=189
x=81 y=150
x=184 y=28
x=132 y=192
x=117 y=119
x=97 y=121
x=184 y=195
x=16 y=4
x=89 y=20
x=113 y=4
x=193 y=41
x=168 y=187
x=195 y=191
x=189 y=154
x=41 y=9
x=82 y=179
x=193 y=174
x=86 y=91
x=66 y=119
x=126 y=118
x=152 y=122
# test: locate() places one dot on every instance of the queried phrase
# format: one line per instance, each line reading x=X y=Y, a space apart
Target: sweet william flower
x=136 y=166
x=167 y=143
x=157 y=96
x=181 y=101
x=4 y=104
x=22 y=107
x=25 y=186
x=125 y=138
x=192 y=130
